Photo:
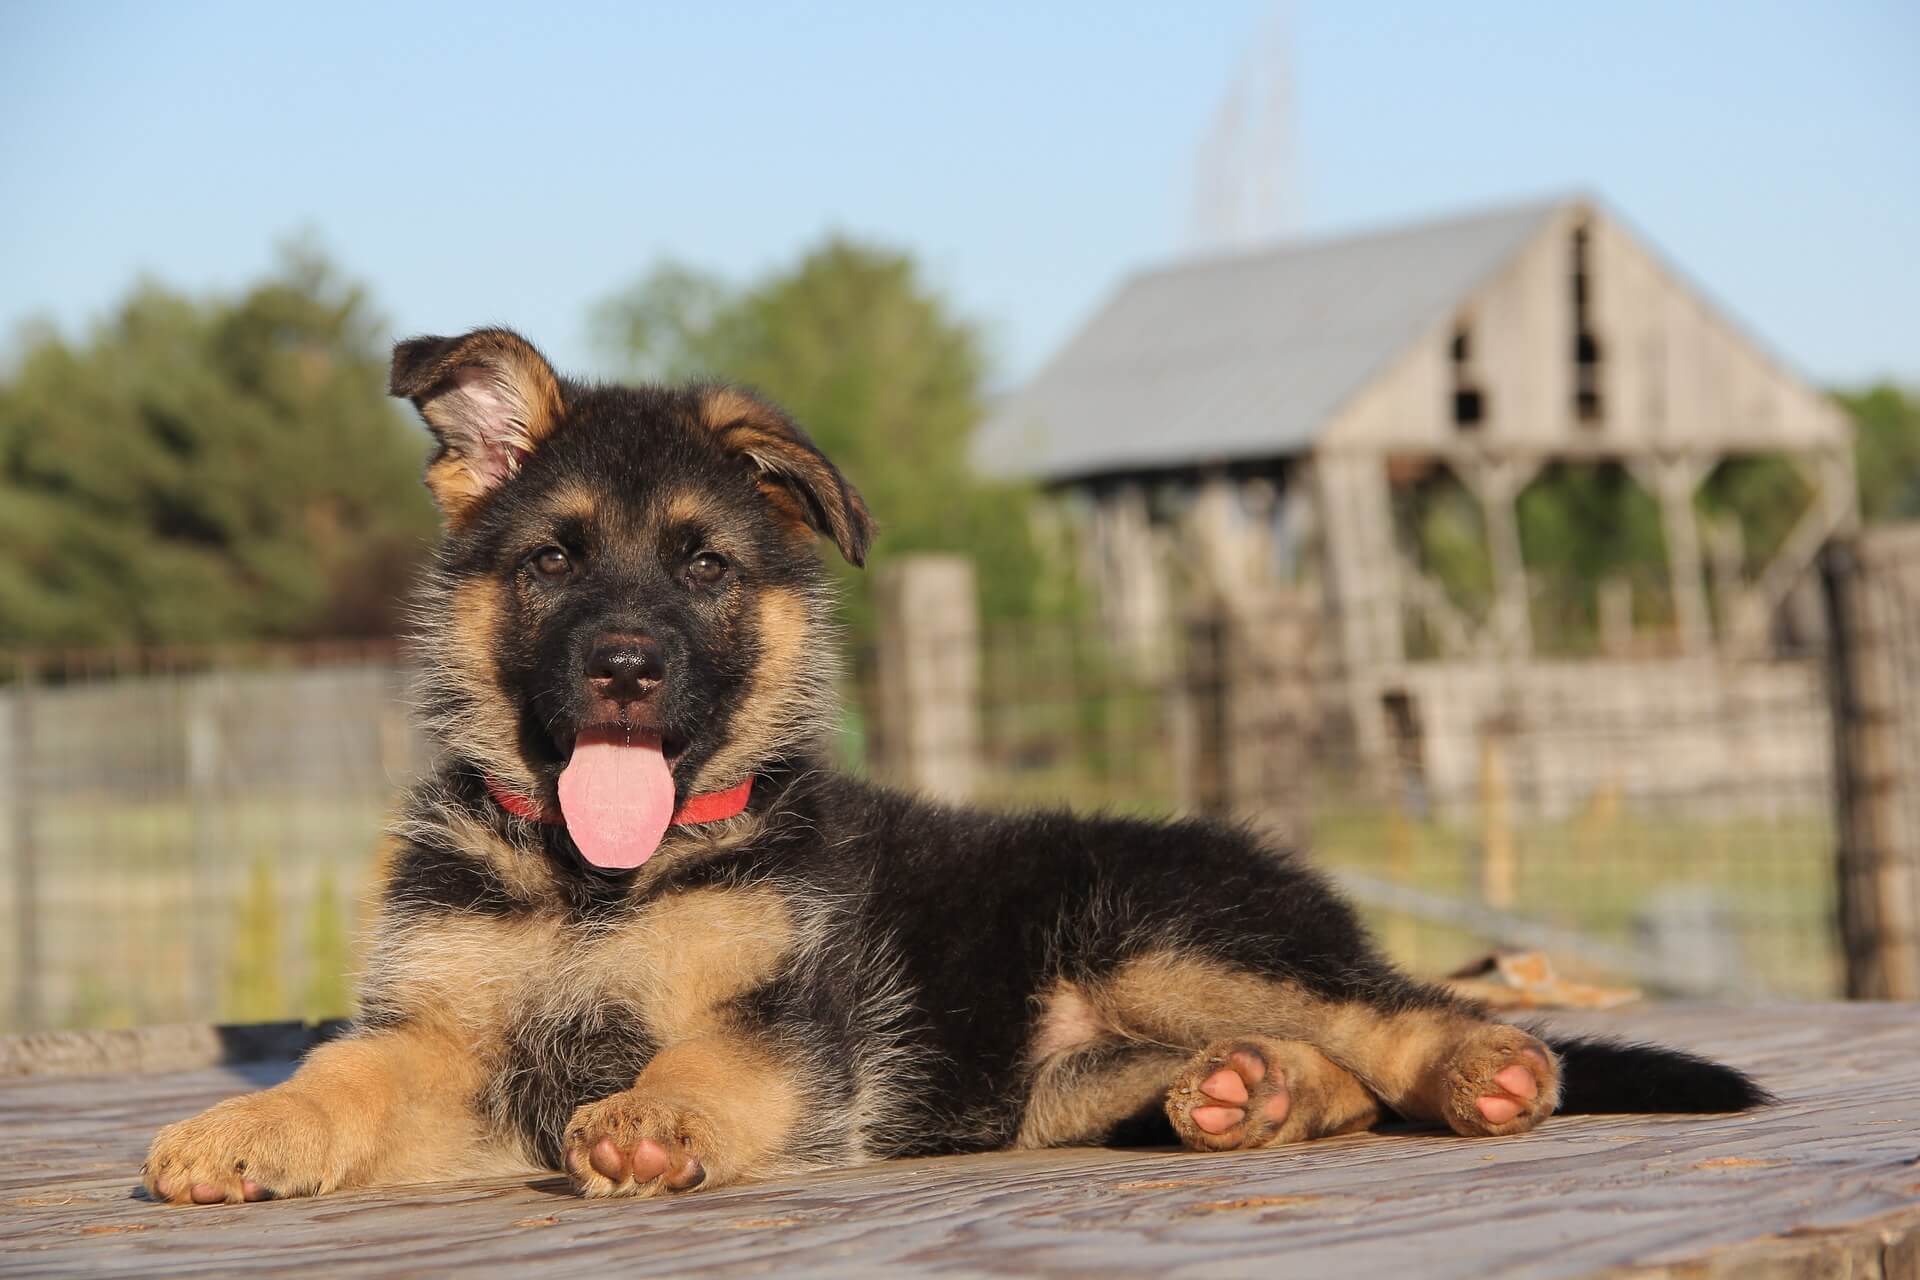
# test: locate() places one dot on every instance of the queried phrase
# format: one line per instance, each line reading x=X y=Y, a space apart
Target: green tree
x=1887 y=448
x=205 y=470
x=1580 y=525
x=855 y=345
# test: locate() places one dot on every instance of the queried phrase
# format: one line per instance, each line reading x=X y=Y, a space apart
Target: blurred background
x=1479 y=445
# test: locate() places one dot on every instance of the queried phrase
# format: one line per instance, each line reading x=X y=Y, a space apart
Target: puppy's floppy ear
x=794 y=474
x=489 y=398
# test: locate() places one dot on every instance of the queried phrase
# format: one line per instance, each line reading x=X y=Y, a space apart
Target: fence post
x=1249 y=681
x=927 y=669
x=27 y=959
x=212 y=861
x=1878 y=859
x=1207 y=690
x=1497 y=861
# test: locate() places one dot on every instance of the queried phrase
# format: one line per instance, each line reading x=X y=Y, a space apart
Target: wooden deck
x=1826 y=1184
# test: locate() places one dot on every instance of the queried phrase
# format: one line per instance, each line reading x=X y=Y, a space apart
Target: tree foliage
x=1582 y=524
x=853 y=343
x=1887 y=442
x=209 y=470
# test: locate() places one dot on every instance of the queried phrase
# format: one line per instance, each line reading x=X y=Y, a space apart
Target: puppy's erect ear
x=796 y=477
x=489 y=397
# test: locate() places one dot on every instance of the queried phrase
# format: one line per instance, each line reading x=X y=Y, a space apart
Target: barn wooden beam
x=1460 y=635
x=1833 y=511
x=1673 y=479
x=1497 y=481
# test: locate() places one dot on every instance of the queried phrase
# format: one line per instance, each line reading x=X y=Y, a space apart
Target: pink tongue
x=617 y=796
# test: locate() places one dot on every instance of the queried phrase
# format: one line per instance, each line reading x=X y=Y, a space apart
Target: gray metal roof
x=1244 y=356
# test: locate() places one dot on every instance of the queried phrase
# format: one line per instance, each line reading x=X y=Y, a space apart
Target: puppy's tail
x=1600 y=1077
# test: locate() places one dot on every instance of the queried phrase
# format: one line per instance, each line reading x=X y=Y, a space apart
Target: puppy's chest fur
x=569 y=1012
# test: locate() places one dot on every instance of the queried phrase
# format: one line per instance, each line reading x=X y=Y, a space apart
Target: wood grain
x=1828 y=1183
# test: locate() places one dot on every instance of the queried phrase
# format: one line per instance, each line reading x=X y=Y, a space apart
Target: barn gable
x=1583 y=342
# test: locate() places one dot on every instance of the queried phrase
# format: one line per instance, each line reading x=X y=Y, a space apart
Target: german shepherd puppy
x=634 y=928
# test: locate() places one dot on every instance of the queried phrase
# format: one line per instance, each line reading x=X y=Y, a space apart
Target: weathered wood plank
x=1829 y=1180
x=149 y=1050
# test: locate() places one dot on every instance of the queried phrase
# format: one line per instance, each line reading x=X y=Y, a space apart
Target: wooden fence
x=1873 y=594
x=1678 y=822
x=186 y=835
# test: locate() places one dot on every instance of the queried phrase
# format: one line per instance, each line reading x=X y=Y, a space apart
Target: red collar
x=711 y=807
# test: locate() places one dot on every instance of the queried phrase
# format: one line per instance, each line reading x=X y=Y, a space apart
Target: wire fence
x=191 y=836
x=1656 y=822
x=188 y=834
x=1662 y=822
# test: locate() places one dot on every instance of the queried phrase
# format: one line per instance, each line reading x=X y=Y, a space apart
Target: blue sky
x=515 y=163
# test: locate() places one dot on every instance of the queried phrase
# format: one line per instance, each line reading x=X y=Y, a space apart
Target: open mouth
x=670 y=744
x=617 y=793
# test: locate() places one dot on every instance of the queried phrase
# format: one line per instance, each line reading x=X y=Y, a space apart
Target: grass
x=1600 y=872
x=150 y=912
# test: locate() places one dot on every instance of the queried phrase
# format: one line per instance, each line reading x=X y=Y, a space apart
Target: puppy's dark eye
x=706 y=568
x=552 y=562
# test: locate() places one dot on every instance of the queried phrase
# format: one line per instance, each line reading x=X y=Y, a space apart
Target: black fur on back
x=1606 y=1077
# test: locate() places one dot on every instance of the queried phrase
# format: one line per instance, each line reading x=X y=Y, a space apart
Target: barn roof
x=1244 y=356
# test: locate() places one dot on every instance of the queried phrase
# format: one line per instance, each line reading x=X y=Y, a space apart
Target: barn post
x=1497 y=483
x=1353 y=512
x=927 y=667
x=1674 y=480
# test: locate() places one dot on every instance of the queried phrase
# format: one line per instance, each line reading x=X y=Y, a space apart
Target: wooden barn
x=1230 y=420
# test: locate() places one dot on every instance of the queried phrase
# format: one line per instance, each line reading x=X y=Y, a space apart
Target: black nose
x=625 y=668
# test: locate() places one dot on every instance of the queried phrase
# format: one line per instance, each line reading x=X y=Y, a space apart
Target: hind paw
x=1229 y=1098
x=1502 y=1081
x=1253 y=1092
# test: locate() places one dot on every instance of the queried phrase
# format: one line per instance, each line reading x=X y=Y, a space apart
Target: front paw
x=254 y=1147
x=629 y=1145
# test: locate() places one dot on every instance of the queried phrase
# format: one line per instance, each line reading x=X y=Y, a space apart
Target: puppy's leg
x=1236 y=1094
x=704 y=1113
x=1096 y=1093
x=388 y=1106
x=1422 y=1053
x=1255 y=1091
x=1446 y=1062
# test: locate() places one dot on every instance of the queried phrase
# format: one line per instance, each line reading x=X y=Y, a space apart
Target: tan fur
x=468 y=971
x=453 y=484
x=1067 y=1020
x=572 y=502
x=1079 y=1095
x=724 y=407
x=529 y=377
x=793 y=516
x=761 y=434
x=684 y=506
x=1320 y=1098
x=743 y=419
x=1172 y=998
x=1420 y=1062
x=489 y=732
x=389 y=1106
x=722 y=1106
x=775 y=702
x=679 y=962
x=1094 y=1067
x=691 y=953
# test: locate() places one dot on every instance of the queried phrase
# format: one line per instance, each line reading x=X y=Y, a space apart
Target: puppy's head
x=627 y=609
